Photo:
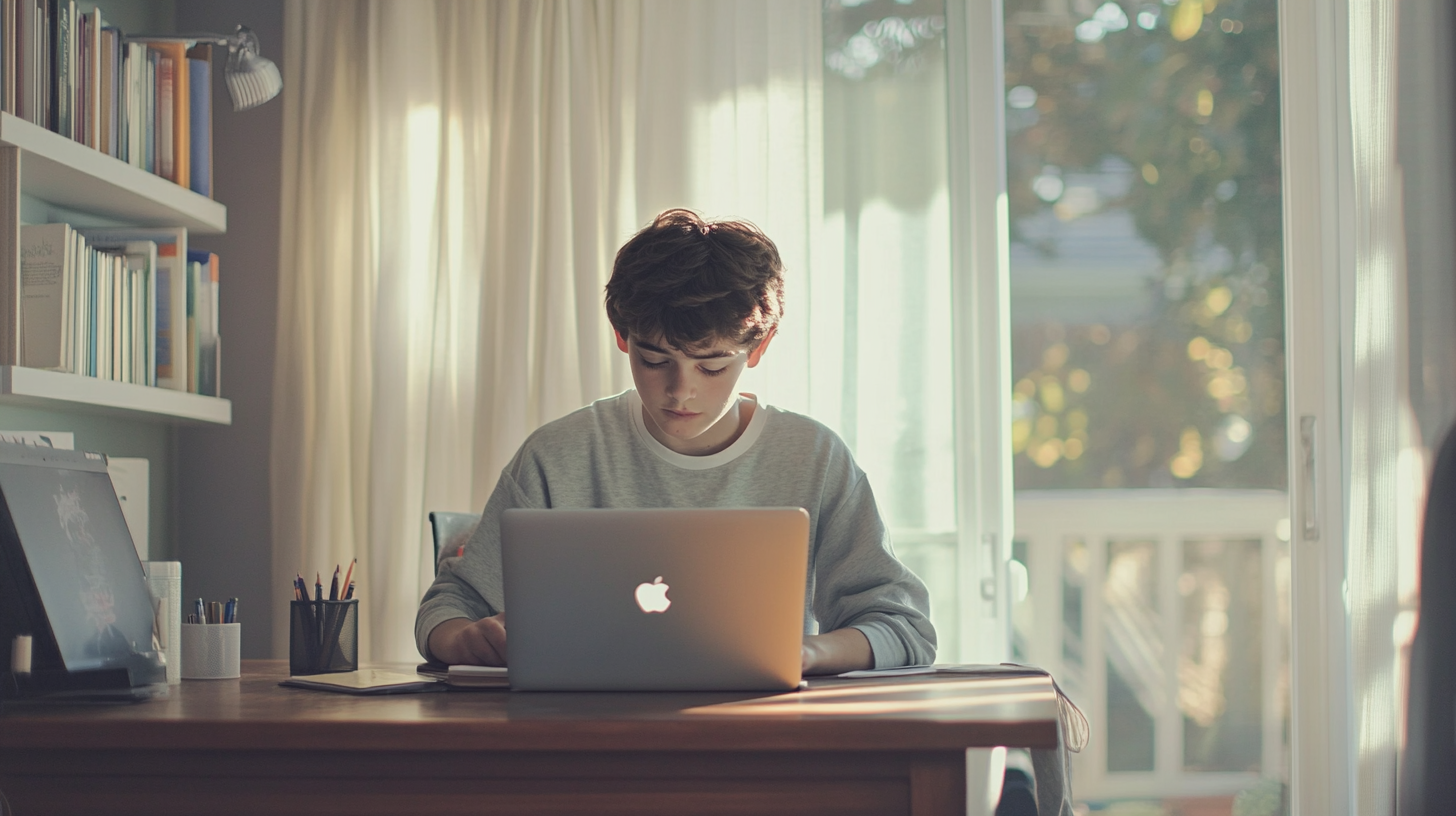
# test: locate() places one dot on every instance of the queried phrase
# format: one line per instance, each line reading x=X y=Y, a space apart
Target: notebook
x=366 y=681
x=655 y=600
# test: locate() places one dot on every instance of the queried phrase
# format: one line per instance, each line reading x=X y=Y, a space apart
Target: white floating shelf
x=45 y=389
x=70 y=174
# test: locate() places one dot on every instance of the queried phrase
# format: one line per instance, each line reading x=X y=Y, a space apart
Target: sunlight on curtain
x=1382 y=515
x=880 y=353
x=448 y=228
x=847 y=174
x=729 y=125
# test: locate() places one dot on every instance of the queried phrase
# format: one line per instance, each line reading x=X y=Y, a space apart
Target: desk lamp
x=252 y=78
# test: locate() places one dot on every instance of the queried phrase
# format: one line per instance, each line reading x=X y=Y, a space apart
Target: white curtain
x=458 y=177
x=1387 y=471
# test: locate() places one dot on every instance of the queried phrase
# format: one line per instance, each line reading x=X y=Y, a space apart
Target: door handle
x=1308 y=494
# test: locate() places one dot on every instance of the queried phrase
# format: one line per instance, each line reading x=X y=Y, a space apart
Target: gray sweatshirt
x=603 y=456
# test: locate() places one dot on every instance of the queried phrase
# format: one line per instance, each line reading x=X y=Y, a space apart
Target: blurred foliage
x=1186 y=93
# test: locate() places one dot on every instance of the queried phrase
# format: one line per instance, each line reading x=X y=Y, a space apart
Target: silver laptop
x=655 y=600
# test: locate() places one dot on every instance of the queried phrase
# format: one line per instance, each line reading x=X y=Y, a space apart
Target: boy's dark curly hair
x=690 y=282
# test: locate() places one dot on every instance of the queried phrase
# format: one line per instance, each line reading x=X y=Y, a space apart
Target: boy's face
x=689 y=397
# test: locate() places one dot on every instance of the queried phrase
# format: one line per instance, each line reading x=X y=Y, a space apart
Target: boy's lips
x=680 y=414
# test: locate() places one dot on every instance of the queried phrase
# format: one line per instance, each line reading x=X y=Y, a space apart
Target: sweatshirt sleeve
x=470 y=586
x=859 y=583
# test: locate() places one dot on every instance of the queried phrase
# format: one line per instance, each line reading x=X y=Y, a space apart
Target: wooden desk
x=247 y=747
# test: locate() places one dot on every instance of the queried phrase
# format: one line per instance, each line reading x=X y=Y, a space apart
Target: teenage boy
x=693 y=304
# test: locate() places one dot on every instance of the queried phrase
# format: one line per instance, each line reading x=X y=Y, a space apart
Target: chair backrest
x=1428 y=785
x=451 y=532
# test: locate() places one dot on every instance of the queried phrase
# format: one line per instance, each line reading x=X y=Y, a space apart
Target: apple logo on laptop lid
x=653 y=597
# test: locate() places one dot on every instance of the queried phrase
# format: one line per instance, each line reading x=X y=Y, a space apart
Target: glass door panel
x=1148 y=432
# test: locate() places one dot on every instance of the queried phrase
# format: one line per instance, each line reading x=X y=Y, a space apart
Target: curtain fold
x=458 y=178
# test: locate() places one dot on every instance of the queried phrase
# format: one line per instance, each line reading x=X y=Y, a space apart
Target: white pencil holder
x=211 y=651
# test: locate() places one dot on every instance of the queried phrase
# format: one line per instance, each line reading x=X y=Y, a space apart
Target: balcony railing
x=1164 y=615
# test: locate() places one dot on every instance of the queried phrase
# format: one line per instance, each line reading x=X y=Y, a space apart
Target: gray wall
x=222 y=531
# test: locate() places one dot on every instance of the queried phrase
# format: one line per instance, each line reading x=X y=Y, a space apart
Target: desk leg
x=938 y=785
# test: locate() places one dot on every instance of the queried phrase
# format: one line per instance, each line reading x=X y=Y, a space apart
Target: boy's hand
x=461 y=641
x=839 y=651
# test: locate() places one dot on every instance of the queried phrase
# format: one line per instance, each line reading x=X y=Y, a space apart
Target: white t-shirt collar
x=682 y=460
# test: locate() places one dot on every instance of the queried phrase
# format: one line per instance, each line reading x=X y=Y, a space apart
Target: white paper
x=131 y=478
x=897 y=671
x=60 y=440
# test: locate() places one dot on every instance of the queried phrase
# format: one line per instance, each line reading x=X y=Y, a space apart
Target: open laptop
x=655 y=600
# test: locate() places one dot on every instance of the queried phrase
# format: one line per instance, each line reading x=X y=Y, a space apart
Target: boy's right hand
x=461 y=641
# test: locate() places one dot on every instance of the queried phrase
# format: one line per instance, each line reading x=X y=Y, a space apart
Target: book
x=166 y=166
x=194 y=293
x=110 y=90
x=64 y=60
x=199 y=66
x=463 y=676
x=205 y=342
x=170 y=288
x=44 y=279
x=137 y=264
x=366 y=681
x=478 y=677
x=173 y=108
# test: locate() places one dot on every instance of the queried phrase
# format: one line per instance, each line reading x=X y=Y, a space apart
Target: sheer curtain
x=458 y=177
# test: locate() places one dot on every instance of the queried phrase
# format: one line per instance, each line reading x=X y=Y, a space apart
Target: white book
x=138 y=259
x=44 y=276
x=170 y=296
x=137 y=104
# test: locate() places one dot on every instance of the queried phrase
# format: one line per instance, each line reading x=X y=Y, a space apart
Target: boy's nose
x=680 y=387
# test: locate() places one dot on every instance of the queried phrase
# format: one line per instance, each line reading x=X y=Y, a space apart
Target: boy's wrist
x=839 y=651
x=443 y=639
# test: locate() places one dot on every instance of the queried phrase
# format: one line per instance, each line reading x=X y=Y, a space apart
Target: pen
x=201 y=611
x=349 y=595
x=334 y=585
x=318 y=587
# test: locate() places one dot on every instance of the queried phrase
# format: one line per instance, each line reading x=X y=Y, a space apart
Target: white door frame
x=981 y=323
x=1318 y=235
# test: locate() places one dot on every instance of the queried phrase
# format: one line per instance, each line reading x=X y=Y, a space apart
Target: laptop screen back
x=679 y=599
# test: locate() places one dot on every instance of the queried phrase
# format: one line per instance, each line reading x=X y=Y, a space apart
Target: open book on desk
x=461 y=676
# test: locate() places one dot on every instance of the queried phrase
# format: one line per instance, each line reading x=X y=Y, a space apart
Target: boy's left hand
x=839 y=651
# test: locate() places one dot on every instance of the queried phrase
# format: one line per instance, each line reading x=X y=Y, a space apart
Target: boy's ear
x=621 y=343
x=757 y=354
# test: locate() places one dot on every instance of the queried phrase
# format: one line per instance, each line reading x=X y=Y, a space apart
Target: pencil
x=349 y=576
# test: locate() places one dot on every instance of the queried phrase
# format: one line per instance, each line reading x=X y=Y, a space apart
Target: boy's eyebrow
x=705 y=356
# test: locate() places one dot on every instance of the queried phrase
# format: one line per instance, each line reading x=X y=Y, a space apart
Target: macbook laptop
x=655 y=600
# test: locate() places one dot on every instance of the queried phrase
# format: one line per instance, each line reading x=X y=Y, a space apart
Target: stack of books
x=126 y=304
x=146 y=103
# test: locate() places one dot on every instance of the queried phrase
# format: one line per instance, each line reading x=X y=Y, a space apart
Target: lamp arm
x=196 y=37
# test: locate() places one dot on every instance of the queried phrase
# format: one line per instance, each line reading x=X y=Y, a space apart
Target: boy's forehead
x=706 y=350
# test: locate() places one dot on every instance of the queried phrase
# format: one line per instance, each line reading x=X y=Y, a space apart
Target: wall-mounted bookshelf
x=69 y=174
x=53 y=389
x=45 y=166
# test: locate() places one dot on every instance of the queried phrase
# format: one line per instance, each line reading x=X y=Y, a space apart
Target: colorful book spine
x=63 y=67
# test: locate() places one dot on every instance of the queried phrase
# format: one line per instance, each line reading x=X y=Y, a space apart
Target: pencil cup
x=323 y=637
x=210 y=651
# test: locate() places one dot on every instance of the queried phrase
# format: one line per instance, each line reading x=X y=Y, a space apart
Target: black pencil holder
x=323 y=637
